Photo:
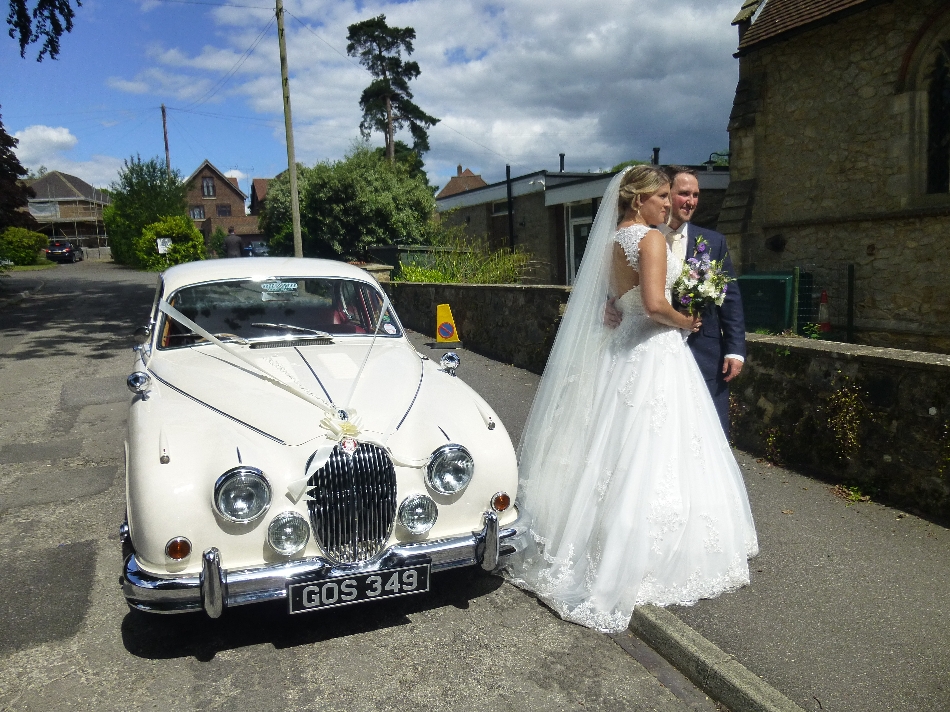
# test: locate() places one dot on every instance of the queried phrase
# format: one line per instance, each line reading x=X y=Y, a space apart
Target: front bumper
x=217 y=588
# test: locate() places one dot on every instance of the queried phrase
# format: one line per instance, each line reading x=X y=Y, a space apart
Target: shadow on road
x=158 y=637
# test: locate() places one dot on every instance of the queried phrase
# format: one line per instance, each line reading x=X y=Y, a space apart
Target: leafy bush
x=460 y=262
x=216 y=243
x=143 y=194
x=187 y=244
x=21 y=246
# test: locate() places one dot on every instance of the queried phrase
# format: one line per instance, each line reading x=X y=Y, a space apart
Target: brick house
x=464 y=180
x=68 y=207
x=840 y=155
x=553 y=212
x=215 y=200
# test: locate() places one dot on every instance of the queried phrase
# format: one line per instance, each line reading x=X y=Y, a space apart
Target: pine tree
x=387 y=102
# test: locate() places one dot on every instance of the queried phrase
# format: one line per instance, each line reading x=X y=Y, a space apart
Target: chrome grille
x=354 y=503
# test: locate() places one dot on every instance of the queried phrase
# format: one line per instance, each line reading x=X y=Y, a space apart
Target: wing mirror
x=450 y=362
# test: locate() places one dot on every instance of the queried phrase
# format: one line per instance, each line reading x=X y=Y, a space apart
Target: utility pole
x=289 y=130
x=168 y=159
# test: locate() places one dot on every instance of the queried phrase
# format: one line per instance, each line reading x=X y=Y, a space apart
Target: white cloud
x=38 y=144
x=49 y=146
x=602 y=81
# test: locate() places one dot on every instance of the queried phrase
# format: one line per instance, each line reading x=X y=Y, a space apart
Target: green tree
x=186 y=243
x=387 y=102
x=621 y=166
x=144 y=194
x=14 y=194
x=46 y=21
x=349 y=205
x=404 y=154
x=216 y=243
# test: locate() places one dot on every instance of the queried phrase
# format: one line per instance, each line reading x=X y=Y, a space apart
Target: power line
x=237 y=65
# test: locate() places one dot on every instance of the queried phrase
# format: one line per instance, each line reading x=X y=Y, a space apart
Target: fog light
x=418 y=513
x=288 y=533
x=500 y=502
x=178 y=548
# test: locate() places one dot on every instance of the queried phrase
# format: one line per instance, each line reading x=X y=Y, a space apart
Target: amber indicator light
x=178 y=548
x=500 y=502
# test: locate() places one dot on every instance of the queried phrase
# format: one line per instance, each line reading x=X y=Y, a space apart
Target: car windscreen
x=265 y=309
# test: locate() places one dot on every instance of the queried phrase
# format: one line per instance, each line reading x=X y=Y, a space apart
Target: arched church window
x=938 y=122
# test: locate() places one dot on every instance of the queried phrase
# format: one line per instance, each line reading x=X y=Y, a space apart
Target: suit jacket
x=723 y=329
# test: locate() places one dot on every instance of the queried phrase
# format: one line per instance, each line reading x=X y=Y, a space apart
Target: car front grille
x=353 y=504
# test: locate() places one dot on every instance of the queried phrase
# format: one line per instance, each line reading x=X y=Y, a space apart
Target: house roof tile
x=231 y=181
x=461 y=182
x=781 y=16
x=259 y=187
x=57 y=185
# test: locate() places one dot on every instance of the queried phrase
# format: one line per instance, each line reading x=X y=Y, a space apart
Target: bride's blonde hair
x=639 y=181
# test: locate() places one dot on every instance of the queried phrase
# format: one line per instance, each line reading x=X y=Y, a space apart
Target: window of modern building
x=499 y=208
x=938 y=122
x=197 y=212
x=224 y=210
x=207 y=187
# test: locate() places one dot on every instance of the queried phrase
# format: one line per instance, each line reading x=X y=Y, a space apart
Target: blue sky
x=517 y=82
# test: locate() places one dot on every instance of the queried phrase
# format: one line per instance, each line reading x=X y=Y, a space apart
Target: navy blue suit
x=723 y=329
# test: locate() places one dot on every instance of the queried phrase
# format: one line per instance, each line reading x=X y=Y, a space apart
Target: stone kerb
x=514 y=324
x=874 y=418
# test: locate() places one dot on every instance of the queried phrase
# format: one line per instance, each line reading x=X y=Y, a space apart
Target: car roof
x=258 y=268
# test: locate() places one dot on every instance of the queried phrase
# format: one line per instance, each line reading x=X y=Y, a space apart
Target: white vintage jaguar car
x=286 y=441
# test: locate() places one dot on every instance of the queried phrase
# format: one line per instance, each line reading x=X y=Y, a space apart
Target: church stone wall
x=827 y=132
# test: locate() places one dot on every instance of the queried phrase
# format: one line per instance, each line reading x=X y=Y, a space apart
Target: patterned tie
x=678 y=245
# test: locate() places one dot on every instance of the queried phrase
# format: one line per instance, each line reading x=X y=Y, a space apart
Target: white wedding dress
x=638 y=499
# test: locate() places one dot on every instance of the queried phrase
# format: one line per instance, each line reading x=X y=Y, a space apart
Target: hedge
x=21 y=246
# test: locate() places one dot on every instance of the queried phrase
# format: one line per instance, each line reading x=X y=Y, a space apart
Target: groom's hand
x=612 y=315
x=731 y=368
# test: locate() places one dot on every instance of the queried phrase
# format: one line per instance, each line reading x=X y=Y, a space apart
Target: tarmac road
x=69 y=642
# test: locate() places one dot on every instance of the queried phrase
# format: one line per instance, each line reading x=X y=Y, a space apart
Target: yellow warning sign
x=445 y=331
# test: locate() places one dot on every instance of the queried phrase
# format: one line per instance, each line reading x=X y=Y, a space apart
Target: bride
x=632 y=491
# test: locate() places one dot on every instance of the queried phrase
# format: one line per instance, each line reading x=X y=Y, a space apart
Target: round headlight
x=450 y=469
x=242 y=494
x=418 y=513
x=288 y=533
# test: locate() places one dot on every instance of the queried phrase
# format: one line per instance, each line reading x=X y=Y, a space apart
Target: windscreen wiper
x=291 y=327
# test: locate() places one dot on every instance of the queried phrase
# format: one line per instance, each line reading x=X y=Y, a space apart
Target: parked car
x=259 y=249
x=61 y=251
x=286 y=441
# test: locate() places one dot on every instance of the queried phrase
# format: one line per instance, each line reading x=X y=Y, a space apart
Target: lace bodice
x=629 y=239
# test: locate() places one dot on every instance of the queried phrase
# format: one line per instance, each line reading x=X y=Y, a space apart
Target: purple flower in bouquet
x=701 y=282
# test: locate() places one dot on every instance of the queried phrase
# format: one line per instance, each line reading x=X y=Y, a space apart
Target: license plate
x=308 y=596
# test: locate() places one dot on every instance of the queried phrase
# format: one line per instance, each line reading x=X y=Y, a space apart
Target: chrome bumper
x=217 y=588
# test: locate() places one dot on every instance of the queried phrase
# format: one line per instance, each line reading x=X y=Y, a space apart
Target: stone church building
x=840 y=154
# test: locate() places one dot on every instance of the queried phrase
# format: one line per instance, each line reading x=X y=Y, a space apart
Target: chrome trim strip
x=422 y=373
x=219 y=412
x=322 y=387
x=179 y=594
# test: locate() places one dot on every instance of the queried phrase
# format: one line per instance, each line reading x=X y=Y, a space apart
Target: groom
x=719 y=346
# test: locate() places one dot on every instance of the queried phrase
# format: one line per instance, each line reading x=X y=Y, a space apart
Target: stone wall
x=798 y=400
x=514 y=324
x=830 y=126
x=874 y=418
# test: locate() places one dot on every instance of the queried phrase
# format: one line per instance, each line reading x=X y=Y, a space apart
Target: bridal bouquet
x=702 y=281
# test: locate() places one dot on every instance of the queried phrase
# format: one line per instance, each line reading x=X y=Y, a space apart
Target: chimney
x=562 y=161
x=459 y=169
x=656 y=155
